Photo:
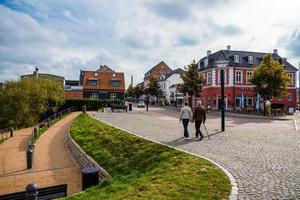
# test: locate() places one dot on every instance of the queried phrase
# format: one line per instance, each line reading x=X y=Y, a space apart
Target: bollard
x=60 y=115
x=84 y=109
x=11 y=130
x=130 y=107
x=29 y=158
x=48 y=123
x=90 y=177
x=31 y=191
x=35 y=132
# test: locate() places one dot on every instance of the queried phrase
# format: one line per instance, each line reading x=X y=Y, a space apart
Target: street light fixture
x=221 y=65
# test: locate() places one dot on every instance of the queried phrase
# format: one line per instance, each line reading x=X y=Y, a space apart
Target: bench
x=118 y=107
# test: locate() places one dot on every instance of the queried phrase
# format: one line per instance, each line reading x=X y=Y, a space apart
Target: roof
x=161 y=64
x=176 y=71
x=243 y=56
x=43 y=75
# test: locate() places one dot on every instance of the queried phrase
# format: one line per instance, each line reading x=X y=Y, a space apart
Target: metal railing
x=6 y=134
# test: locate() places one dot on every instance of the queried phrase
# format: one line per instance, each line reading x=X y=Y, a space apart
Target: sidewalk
x=52 y=163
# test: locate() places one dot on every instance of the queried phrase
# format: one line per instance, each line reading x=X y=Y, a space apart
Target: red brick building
x=159 y=70
x=239 y=93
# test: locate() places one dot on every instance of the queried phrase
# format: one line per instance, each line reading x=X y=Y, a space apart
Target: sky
x=131 y=36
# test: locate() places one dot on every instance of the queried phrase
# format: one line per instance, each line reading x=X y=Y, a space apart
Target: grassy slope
x=141 y=169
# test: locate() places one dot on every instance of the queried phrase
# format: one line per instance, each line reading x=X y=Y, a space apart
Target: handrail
x=46 y=122
x=5 y=134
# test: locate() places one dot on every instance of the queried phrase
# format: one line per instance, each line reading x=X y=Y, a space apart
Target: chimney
x=228 y=47
x=275 y=51
x=131 y=81
x=208 y=52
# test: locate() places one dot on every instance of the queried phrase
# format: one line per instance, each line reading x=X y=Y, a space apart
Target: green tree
x=270 y=78
x=130 y=92
x=139 y=90
x=192 y=81
x=154 y=88
x=25 y=101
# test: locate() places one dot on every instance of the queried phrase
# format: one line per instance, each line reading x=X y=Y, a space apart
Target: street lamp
x=221 y=65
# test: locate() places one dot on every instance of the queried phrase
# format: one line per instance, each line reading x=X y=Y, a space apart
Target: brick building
x=103 y=83
x=239 y=93
x=161 y=69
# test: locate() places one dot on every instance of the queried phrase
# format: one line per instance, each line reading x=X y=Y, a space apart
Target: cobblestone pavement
x=263 y=155
x=52 y=164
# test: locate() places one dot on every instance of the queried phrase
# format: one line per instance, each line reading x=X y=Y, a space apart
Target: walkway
x=52 y=163
x=263 y=155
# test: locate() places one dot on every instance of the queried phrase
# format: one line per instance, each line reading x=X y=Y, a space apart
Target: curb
x=234 y=188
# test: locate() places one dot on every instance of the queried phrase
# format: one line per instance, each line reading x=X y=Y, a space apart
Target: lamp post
x=221 y=65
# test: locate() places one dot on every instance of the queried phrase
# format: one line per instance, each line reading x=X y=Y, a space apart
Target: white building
x=168 y=84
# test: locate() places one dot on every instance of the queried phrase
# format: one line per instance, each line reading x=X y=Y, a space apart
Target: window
x=164 y=85
x=205 y=62
x=208 y=79
x=238 y=77
x=92 y=82
x=94 y=95
x=280 y=98
x=290 y=97
x=113 y=96
x=250 y=59
x=115 y=83
x=248 y=76
x=291 y=76
x=271 y=98
x=236 y=58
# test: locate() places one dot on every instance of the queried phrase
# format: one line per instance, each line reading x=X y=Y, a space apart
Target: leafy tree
x=192 y=81
x=139 y=90
x=130 y=92
x=154 y=87
x=25 y=101
x=270 y=78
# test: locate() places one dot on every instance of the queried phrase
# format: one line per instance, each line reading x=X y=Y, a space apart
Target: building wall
x=101 y=95
x=233 y=90
x=71 y=94
x=174 y=79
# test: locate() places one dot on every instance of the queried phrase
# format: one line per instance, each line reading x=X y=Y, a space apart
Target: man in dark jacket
x=199 y=116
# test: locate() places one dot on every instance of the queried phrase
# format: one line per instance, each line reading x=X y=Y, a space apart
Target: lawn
x=141 y=169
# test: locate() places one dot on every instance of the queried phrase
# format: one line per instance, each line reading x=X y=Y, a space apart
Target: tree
x=130 y=92
x=139 y=90
x=154 y=87
x=270 y=78
x=192 y=81
x=25 y=101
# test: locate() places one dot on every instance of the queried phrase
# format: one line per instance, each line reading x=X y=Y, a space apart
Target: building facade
x=103 y=83
x=168 y=84
x=161 y=69
x=239 y=92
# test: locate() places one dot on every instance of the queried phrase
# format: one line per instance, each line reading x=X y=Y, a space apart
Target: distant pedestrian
x=185 y=117
x=199 y=116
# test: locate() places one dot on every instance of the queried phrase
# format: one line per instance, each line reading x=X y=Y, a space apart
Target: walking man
x=199 y=116
x=185 y=117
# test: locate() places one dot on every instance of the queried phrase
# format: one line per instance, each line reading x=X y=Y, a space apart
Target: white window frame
x=95 y=96
x=290 y=97
x=291 y=76
x=209 y=78
x=248 y=76
x=250 y=61
x=236 y=59
x=113 y=96
x=236 y=75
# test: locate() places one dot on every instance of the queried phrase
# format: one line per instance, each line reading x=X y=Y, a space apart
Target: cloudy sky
x=62 y=37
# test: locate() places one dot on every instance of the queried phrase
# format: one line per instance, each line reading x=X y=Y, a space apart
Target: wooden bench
x=118 y=107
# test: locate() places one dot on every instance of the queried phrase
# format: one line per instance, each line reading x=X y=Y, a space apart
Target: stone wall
x=82 y=159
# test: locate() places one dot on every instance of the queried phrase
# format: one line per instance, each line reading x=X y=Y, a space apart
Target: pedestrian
x=185 y=117
x=199 y=116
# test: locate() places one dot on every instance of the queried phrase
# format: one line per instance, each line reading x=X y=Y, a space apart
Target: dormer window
x=236 y=58
x=205 y=62
x=250 y=59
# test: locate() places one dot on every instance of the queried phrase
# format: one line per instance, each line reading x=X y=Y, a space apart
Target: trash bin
x=90 y=177
x=130 y=106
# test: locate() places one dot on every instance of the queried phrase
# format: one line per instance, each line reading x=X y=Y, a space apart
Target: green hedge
x=91 y=104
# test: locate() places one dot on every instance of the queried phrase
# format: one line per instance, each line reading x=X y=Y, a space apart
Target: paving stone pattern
x=263 y=155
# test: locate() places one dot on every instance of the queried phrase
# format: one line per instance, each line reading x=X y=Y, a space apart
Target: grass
x=141 y=169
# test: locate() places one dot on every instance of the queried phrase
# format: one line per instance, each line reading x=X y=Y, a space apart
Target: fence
x=82 y=159
x=6 y=134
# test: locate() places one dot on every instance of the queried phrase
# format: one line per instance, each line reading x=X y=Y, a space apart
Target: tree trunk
x=190 y=100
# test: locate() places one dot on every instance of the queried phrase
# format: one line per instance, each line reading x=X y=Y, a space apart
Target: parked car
x=141 y=104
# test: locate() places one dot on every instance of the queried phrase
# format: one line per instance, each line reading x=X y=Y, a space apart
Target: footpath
x=52 y=164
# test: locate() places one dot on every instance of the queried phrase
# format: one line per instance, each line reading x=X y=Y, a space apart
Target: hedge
x=91 y=104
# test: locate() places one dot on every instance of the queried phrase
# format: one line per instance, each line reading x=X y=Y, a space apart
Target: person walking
x=199 y=116
x=185 y=117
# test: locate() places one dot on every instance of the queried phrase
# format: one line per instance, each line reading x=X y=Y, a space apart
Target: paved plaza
x=263 y=155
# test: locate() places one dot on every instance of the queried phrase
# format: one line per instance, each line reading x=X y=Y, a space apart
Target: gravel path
x=52 y=163
x=263 y=155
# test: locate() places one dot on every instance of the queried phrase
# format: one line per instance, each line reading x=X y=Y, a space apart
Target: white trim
x=231 y=76
x=241 y=71
x=234 y=186
x=214 y=77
